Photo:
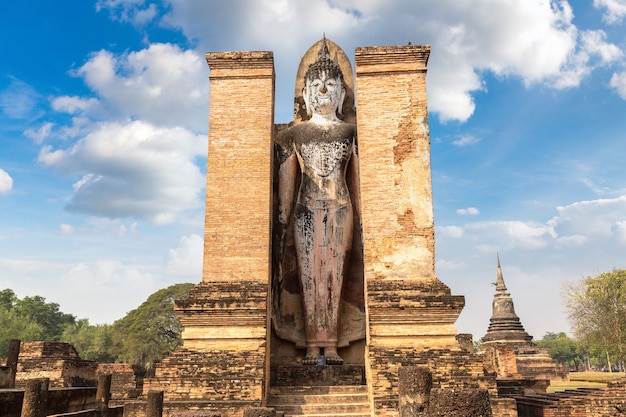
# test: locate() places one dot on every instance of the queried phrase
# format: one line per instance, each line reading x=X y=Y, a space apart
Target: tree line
x=596 y=309
x=141 y=337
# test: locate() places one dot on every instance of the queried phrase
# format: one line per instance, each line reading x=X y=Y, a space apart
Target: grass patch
x=584 y=380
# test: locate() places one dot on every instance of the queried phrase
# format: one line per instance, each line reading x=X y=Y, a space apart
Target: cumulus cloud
x=73 y=104
x=593 y=218
x=162 y=84
x=614 y=10
x=186 y=259
x=535 y=41
x=132 y=170
x=6 y=182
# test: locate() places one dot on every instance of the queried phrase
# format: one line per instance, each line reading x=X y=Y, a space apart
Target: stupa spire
x=504 y=325
x=500 y=286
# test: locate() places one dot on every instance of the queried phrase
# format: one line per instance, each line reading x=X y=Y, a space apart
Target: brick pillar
x=411 y=313
x=237 y=240
x=394 y=146
x=225 y=316
x=239 y=174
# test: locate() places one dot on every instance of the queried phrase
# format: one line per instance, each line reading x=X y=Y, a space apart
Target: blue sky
x=103 y=139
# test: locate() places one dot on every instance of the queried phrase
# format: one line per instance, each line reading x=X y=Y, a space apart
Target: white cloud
x=466 y=140
x=593 y=218
x=73 y=104
x=594 y=43
x=471 y=211
x=39 y=135
x=161 y=84
x=133 y=170
x=535 y=40
x=186 y=259
x=6 y=182
x=132 y=11
x=618 y=82
x=450 y=231
x=615 y=10
x=583 y=223
x=512 y=234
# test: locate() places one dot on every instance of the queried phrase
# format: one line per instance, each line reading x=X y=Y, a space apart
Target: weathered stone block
x=459 y=403
x=414 y=384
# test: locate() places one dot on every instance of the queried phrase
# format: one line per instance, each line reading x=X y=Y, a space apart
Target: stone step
x=299 y=375
x=317 y=401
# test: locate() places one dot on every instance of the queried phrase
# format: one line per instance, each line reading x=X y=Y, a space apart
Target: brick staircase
x=321 y=401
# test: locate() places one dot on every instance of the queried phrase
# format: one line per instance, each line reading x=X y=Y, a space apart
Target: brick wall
x=239 y=187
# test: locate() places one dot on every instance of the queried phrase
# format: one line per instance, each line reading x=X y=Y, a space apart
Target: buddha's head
x=323 y=85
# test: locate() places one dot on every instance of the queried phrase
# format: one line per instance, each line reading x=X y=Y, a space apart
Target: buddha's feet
x=332 y=357
x=309 y=360
x=311 y=356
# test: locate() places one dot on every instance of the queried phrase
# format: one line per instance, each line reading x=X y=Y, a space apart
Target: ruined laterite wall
x=239 y=187
x=394 y=153
x=57 y=361
x=126 y=380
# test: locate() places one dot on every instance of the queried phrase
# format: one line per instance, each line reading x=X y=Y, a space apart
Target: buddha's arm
x=354 y=183
x=286 y=187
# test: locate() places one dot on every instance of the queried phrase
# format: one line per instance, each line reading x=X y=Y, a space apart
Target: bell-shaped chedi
x=504 y=325
x=509 y=350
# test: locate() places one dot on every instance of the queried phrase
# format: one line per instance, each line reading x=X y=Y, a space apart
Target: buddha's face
x=323 y=94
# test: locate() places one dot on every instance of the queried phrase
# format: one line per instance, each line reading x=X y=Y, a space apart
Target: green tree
x=47 y=315
x=7 y=299
x=91 y=342
x=563 y=350
x=15 y=326
x=148 y=332
x=596 y=308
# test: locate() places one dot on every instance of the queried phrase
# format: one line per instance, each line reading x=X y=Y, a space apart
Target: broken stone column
x=464 y=402
x=12 y=358
x=103 y=393
x=414 y=384
x=154 y=408
x=35 y=398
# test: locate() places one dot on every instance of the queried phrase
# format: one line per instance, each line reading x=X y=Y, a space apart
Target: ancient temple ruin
x=510 y=349
x=241 y=323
